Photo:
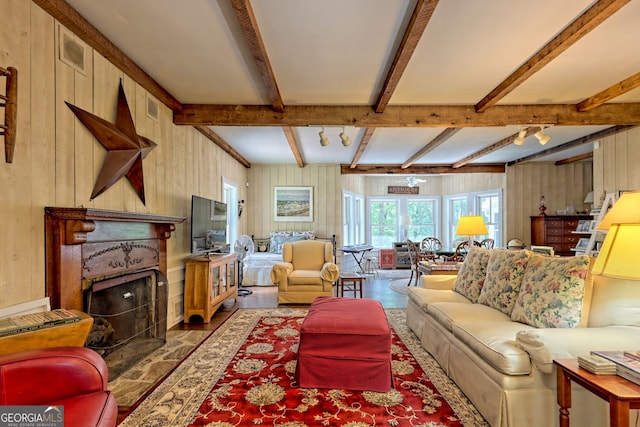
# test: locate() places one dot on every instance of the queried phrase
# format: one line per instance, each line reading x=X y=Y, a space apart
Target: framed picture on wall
x=293 y=204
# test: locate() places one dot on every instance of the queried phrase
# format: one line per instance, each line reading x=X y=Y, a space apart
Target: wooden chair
x=429 y=246
x=461 y=251
x=414 y=257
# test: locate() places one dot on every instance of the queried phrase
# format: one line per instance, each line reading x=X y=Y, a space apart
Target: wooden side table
x=621 y=394
x=350 y=282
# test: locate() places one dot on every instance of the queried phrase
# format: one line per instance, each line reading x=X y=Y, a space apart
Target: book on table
x=29 y=322
x=627 y=366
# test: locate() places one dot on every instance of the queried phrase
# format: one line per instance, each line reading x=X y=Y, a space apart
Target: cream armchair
x=308 y=271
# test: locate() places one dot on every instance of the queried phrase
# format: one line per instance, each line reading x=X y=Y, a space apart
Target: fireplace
x=111 y=265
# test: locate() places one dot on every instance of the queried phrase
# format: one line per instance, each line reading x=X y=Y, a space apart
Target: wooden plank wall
x=57 y=160
x=616 y=164
x=562 y=186
x=327 y=198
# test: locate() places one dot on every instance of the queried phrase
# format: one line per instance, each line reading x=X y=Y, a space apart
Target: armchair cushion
x=470 y=278
x=75 y=377
x=505 y=271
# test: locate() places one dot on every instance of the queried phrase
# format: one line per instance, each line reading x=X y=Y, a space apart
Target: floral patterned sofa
x=496 y=327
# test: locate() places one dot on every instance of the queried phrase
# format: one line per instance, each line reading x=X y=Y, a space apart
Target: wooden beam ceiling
x=217 y=139
x=571 y=144
x=417 y=24
x=490 y=149
x=295 y=149
x=590 y=19
x=574 y=159
x=406 y=115
x=609 y=93
x=432 y=145
x=249 y=25
x=420 y=169
x=368 y=133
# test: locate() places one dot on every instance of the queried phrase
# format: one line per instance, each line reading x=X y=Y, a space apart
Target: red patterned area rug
x=243 y=375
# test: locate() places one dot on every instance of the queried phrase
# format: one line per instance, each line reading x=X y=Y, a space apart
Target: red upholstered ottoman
x=345 y=343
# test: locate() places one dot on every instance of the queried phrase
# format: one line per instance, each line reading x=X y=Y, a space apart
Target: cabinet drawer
x=571 y=224
x=554 y=239
x=571 y=240
x=554 y=232
x=554 y=223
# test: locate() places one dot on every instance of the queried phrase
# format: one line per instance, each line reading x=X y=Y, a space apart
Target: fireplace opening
x=129 y=314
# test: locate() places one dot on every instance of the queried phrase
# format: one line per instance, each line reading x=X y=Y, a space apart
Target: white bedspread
x=256 y=268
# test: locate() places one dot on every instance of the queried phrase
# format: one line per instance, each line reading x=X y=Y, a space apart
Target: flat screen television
x=208 y=225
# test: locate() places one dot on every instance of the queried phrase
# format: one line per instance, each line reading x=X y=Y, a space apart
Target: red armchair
x=74 y=377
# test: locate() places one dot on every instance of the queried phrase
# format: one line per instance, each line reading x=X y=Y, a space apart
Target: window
x=352 y=218
x=230 y=197
x=395 y=219
x=383 y=222
x=486 y=204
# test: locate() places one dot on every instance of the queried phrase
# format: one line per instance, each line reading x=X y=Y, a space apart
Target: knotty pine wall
x=57 y=160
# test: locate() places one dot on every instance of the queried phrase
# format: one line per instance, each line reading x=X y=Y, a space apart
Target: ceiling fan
x=412 y=181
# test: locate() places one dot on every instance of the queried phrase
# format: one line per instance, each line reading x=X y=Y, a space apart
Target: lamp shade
x=589 y=197
x=471 y=226
x=618 y=255
x=625 y=211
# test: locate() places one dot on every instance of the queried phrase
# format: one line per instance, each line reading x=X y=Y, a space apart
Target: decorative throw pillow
x=261 y=245
x=275 y=238
x=472 y=273
x=505 y=270
x=553 y=292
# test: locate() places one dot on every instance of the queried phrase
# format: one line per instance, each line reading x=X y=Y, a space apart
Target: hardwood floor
x=267 y=297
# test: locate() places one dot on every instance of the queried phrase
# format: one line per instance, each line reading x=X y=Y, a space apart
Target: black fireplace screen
x=130 y=319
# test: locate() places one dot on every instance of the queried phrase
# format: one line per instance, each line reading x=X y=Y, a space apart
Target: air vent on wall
x=153 y=109
x=72 y=51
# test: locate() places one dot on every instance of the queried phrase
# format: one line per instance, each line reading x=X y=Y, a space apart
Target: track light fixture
x=542 y=137
x=324 y=140
x=346 y=141
x=520 y=138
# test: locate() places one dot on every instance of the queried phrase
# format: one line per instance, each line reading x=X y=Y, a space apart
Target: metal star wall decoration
x=125 y=148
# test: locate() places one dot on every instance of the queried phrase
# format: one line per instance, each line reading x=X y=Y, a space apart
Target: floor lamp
x=471 y=226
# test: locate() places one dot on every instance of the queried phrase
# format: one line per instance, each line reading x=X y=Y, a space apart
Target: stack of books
x=627 y=363
x=597 y=365
x=29 y=322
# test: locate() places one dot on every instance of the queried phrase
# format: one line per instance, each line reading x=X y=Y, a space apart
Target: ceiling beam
x=71 y=19
x=494 y=147
x=417 y=24
x=249 y=25
x=406 y=115
x=220 y=142
x=431 y=145
x=574 y=159
x=590 y=19
x=571 y=144
x=364 y=142
x=295 y=149
x=420 y=169
x=609 y=93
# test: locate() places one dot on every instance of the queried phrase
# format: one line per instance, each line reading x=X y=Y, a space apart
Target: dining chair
x=414 y=257
x=461 y=251
x=429 y=246
x=487 y=243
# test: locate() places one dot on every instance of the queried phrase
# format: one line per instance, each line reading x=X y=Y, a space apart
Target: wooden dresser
x=556 y=231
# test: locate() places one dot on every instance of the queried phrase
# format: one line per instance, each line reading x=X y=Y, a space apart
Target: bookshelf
x=593 y=236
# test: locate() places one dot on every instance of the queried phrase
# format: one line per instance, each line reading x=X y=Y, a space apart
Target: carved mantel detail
x=86 y=244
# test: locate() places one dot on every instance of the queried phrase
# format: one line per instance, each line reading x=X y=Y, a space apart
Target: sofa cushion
x=505 y=270
x=450 y=313
x=495 y=343
x=471 y=276
x=615 y=302
x=553 y=292
x=423 y=297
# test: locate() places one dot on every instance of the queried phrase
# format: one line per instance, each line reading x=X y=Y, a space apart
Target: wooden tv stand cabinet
x=209 y=281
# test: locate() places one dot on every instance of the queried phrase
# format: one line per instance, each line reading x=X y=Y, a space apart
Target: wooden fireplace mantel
x=86 y=244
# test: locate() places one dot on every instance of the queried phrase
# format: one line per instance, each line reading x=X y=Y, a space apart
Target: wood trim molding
x=420 y=169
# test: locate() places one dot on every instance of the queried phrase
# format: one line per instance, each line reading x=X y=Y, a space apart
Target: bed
x=267 y=251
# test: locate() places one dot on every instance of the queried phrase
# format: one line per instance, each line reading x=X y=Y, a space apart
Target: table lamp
x=618 y=255
x=471 y=226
